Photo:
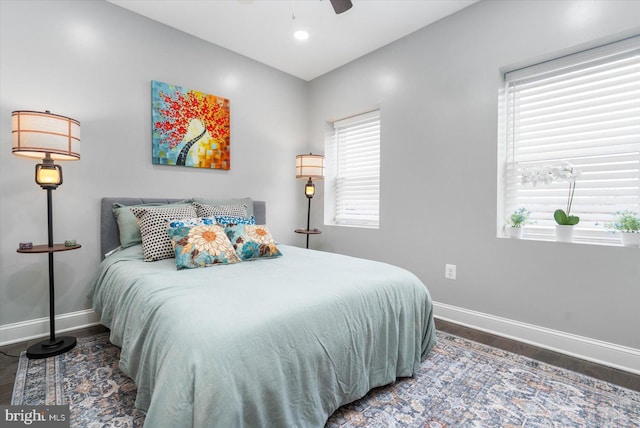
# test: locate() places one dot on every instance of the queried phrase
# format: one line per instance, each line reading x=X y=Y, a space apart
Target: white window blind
x=353 y=161
x=583 y=109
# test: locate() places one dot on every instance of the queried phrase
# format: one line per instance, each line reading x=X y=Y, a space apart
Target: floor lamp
x=47 y=136
x=310 y=167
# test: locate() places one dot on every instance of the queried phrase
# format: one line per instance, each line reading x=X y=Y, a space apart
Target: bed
x=273 y=342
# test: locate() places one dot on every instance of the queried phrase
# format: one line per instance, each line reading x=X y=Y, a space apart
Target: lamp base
x=46 y=348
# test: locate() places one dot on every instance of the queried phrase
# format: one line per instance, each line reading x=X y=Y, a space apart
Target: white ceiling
x=263 y=29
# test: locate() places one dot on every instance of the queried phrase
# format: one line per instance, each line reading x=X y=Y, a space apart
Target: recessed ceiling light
x=301 y=35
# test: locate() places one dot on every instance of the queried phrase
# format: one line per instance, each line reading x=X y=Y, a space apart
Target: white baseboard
x=33 y=329
x=609 y=354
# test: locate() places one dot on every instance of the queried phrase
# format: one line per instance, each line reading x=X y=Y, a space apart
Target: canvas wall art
x=190 y=128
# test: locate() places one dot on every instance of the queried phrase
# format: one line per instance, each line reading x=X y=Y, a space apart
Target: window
x=352 y=155
x=582 y=110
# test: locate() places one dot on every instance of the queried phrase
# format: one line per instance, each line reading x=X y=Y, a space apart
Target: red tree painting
x=190 y=128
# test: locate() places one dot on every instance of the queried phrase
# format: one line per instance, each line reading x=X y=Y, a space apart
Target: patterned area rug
x=87 y=378
x=462 y=384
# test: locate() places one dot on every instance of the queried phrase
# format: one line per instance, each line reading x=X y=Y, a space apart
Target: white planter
x=514 y=232
x=564 y=233
x=630 y=239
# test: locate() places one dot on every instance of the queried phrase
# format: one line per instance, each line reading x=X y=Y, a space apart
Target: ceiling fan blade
x=341 y=5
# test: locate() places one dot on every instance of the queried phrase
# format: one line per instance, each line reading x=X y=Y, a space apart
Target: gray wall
x=94 y=61
x=438 y=94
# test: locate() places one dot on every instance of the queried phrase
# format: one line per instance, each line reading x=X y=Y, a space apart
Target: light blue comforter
x=268 y=343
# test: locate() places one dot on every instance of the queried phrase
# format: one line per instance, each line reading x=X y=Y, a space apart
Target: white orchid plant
x=548 y=174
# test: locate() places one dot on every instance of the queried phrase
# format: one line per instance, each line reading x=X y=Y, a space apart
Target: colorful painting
x=190 y=128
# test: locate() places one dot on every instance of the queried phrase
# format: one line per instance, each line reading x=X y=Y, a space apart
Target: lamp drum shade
x=34 y=134
x=310 y=166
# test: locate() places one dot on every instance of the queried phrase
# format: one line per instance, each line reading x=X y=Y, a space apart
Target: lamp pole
x=52 y=315
x=308 y=218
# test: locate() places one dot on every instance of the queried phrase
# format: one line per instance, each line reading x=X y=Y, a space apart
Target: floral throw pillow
x=252 y=241
x=201 y=246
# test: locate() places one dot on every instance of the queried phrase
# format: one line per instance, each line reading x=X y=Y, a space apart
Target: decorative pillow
x=156 y=245
x=128 y=224
x=252 y=241
x=201 y=246
x=225 y=220
x=204 y=210
x=191 y=222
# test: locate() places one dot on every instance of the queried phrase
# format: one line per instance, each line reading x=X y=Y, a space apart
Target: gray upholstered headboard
x=110 y=235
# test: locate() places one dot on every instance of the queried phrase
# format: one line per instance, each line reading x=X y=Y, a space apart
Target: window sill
x=354 y=226
x=579 y=241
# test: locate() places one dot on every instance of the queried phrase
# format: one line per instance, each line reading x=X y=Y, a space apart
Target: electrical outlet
x=450 y=271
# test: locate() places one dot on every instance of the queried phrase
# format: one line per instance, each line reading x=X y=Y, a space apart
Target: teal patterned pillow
x=201 y=246
x=252 y=241
x=227 y=219
x=191 y=222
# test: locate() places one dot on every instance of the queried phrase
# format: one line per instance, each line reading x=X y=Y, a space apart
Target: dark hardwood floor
x=598 y=371
x=9 y=364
